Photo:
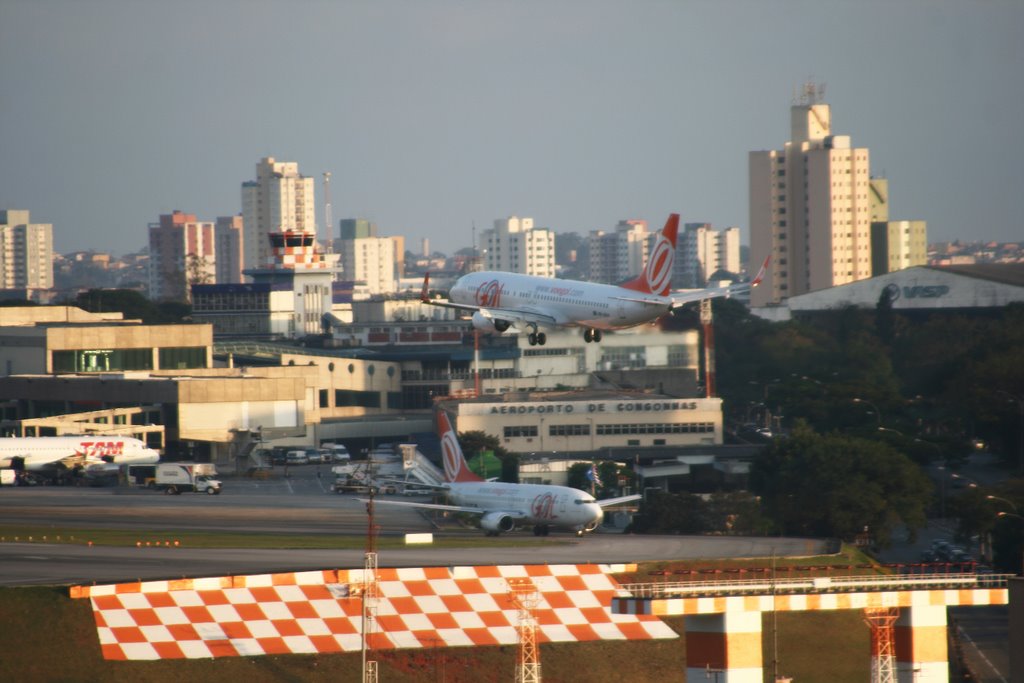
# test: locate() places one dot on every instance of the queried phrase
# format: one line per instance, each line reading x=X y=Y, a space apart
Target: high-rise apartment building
x=618 y=255
x=182 y=253
x=810 y=207
x=26 y=251
x=895 y=245
x=354 y=228
x=514 y=245
x=279 y=200
x=370 y=260
x=229 y=239
x=701 y=251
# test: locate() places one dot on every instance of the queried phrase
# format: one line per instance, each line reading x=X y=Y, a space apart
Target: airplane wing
x=683 y=298
x=518 y=316
x=621 y=499
x=515 y=514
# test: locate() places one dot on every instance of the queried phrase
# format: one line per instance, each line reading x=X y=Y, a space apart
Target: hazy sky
x=435 y=114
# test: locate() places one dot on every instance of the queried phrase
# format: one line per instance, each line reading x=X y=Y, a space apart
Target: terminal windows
x=520 y=431
x=569 y=430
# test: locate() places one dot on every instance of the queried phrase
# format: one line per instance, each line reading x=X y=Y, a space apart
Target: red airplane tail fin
x=455 y=467
x=425 y=292
x=657 y=275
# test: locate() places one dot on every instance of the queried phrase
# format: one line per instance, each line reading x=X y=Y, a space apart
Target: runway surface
x=300 y=504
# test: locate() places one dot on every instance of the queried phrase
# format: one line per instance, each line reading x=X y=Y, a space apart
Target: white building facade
x=279 y=200
x=810 y=207
x=618 y=255
x=516 y=246
x=26 y=252
x=563 y=424
x=370 y=260
x=701 y=251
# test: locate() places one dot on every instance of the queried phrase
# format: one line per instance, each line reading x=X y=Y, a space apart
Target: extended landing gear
x=537 y=338
x=541 y=529
x=591 y=335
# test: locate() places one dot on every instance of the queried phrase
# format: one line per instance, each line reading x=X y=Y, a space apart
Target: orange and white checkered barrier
x=321 y=611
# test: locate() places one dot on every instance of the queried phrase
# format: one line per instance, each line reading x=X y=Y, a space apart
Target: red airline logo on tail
x=455 y=467
x=657 y=276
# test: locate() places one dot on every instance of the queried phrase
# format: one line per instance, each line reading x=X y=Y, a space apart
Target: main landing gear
x=592 y=335
x=541 y=530
x=536 y=338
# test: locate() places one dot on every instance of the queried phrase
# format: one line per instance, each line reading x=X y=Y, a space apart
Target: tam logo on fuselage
x=101 y=448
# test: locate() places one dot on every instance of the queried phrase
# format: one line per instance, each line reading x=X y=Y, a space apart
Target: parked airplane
x=42 y=453
x=502 y=507
x=501 y=301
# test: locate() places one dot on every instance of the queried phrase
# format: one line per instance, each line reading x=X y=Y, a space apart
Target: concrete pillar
x=1016 y=598
x=728 y=645
x=920 y=644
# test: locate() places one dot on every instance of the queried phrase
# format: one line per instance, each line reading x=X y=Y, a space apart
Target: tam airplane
x=500 y=301
x=40 y=453
x=503 y=507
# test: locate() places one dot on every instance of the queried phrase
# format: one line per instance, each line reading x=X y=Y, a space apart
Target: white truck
x=174 y=477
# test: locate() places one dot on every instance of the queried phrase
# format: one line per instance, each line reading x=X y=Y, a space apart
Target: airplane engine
x=482 y=322
x=496 y=522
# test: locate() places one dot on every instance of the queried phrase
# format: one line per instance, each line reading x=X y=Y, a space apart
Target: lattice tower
x=881 y=620
x=524 y=596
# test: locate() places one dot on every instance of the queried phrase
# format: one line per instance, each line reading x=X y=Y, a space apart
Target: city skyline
x=434 y=117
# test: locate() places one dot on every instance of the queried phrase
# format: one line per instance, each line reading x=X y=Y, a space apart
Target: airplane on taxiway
x=502 y=301
x=503 y=507
x=50 y=453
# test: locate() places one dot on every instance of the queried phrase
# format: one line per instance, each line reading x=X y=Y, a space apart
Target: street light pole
x=878 y=413
x=1020 y=427
x=1018 y=517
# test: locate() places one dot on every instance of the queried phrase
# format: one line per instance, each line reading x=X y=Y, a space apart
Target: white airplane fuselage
x=568 y=302
x=538 y=504
x=41 y=452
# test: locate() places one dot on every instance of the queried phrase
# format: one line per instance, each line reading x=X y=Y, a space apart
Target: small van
x=335 y=452
x=296 y=458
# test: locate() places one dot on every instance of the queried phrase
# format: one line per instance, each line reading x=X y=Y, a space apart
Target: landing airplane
x=501 y=301
x=49 y=453
x=502 y=507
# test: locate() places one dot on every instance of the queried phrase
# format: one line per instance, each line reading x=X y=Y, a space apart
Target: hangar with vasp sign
x=921 y=288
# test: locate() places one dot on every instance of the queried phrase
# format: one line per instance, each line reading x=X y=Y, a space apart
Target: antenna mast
x=369 y=588
x=328 y=220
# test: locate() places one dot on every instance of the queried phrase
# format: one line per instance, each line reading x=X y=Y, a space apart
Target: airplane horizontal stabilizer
x=621 y=499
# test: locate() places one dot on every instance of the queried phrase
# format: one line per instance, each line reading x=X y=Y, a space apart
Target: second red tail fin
x=455 y=467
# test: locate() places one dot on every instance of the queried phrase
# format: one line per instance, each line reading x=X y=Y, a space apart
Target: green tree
x=836 y=485
x=475 y=442
x=133 y=305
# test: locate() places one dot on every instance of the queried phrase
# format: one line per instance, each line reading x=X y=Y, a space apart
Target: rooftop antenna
x=329 y=241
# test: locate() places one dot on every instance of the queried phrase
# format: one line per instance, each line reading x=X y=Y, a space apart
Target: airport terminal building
x=590 y=421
